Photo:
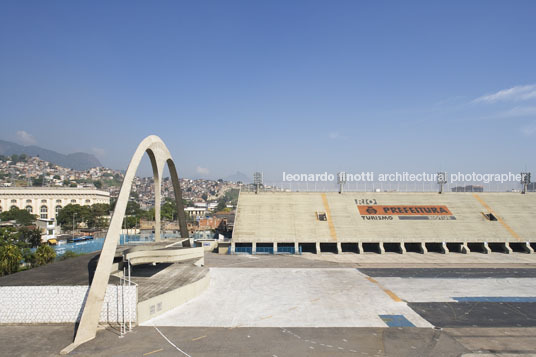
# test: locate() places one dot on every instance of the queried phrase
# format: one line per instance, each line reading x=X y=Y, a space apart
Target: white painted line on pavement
x=171 y=343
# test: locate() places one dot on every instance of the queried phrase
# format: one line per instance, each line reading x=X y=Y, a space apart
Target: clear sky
x=295 y=86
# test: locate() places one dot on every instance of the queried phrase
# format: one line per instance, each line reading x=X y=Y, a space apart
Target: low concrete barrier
x=157 y=305
x=138 y=257
x=63 y=304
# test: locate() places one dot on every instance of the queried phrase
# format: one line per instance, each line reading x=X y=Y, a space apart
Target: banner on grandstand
x=405 y=212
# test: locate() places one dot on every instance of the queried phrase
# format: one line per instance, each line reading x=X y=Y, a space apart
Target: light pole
x=441 y=180
x=525 y=181
x=74 y=215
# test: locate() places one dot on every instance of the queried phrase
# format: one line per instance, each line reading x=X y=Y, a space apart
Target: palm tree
x=10 y=258
x=44 y=255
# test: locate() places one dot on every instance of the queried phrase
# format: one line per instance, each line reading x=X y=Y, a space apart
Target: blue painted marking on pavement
x=495 y=299
x=396 y=321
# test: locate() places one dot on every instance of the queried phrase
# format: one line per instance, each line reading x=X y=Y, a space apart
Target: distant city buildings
x=43 y=189
x=195 y=212
x=32 y=172
x=45 y=202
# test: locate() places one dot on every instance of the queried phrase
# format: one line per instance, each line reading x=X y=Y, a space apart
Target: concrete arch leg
x=465 y=249
x=445 y=248
x=487 y=249
x=402 y=248
x=528 y=248
x=159 y=156
x=507 y=248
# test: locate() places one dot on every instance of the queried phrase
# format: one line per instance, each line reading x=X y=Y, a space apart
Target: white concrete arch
x=159 y=155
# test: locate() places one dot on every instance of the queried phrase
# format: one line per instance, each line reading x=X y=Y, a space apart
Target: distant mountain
x=75 y=161
x=239 y=176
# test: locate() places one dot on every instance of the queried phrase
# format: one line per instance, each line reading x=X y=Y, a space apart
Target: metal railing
x=377 y=186
x=264 y=250
x=286 y=250
x=247 y=250
x=125 y=281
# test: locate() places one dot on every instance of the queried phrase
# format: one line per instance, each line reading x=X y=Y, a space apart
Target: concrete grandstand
x=292 y=222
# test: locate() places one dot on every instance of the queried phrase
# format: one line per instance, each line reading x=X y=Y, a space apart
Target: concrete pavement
x=274 y=297
x=462 y=328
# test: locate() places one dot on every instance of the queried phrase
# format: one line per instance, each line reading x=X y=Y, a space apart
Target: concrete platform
x=409 y=260
x=162 y=278
x=462 y=328
x=272 y=297
x=166 y=286
x=451 y=273
x=446 y=290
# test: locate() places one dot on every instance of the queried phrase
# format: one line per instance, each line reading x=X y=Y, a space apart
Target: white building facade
x=196 y=212
x=46 y=202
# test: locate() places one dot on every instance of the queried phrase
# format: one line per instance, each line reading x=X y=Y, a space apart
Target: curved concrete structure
x=159 y=155
x=164 y=255
x=198 y=281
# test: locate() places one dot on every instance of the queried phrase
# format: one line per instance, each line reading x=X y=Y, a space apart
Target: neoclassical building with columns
x=46 y=202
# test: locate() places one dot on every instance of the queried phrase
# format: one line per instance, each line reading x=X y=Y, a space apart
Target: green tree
x=44 y=254
x=148 y=215
x=96 y=216
x=66 y=214
x=231 y=196
x=30 y=236
x=98 y=184
x=100 y=209
x=168 y=210
x=221 y=205
x=8 y=235
x=187 y=203
x=68 y=255
x=130 y=222
x=133 y=208
x=10 y=258
x=38 y=181
x=22 y=216
x=29 y=257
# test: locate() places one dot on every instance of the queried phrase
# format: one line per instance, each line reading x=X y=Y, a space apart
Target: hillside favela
x=279 y=179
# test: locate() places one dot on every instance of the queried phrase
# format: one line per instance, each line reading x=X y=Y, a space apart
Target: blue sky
x=294 y=86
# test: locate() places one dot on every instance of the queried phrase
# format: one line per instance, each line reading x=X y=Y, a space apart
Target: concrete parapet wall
x=157 y=305
x=164 y=255
x=62 y=304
